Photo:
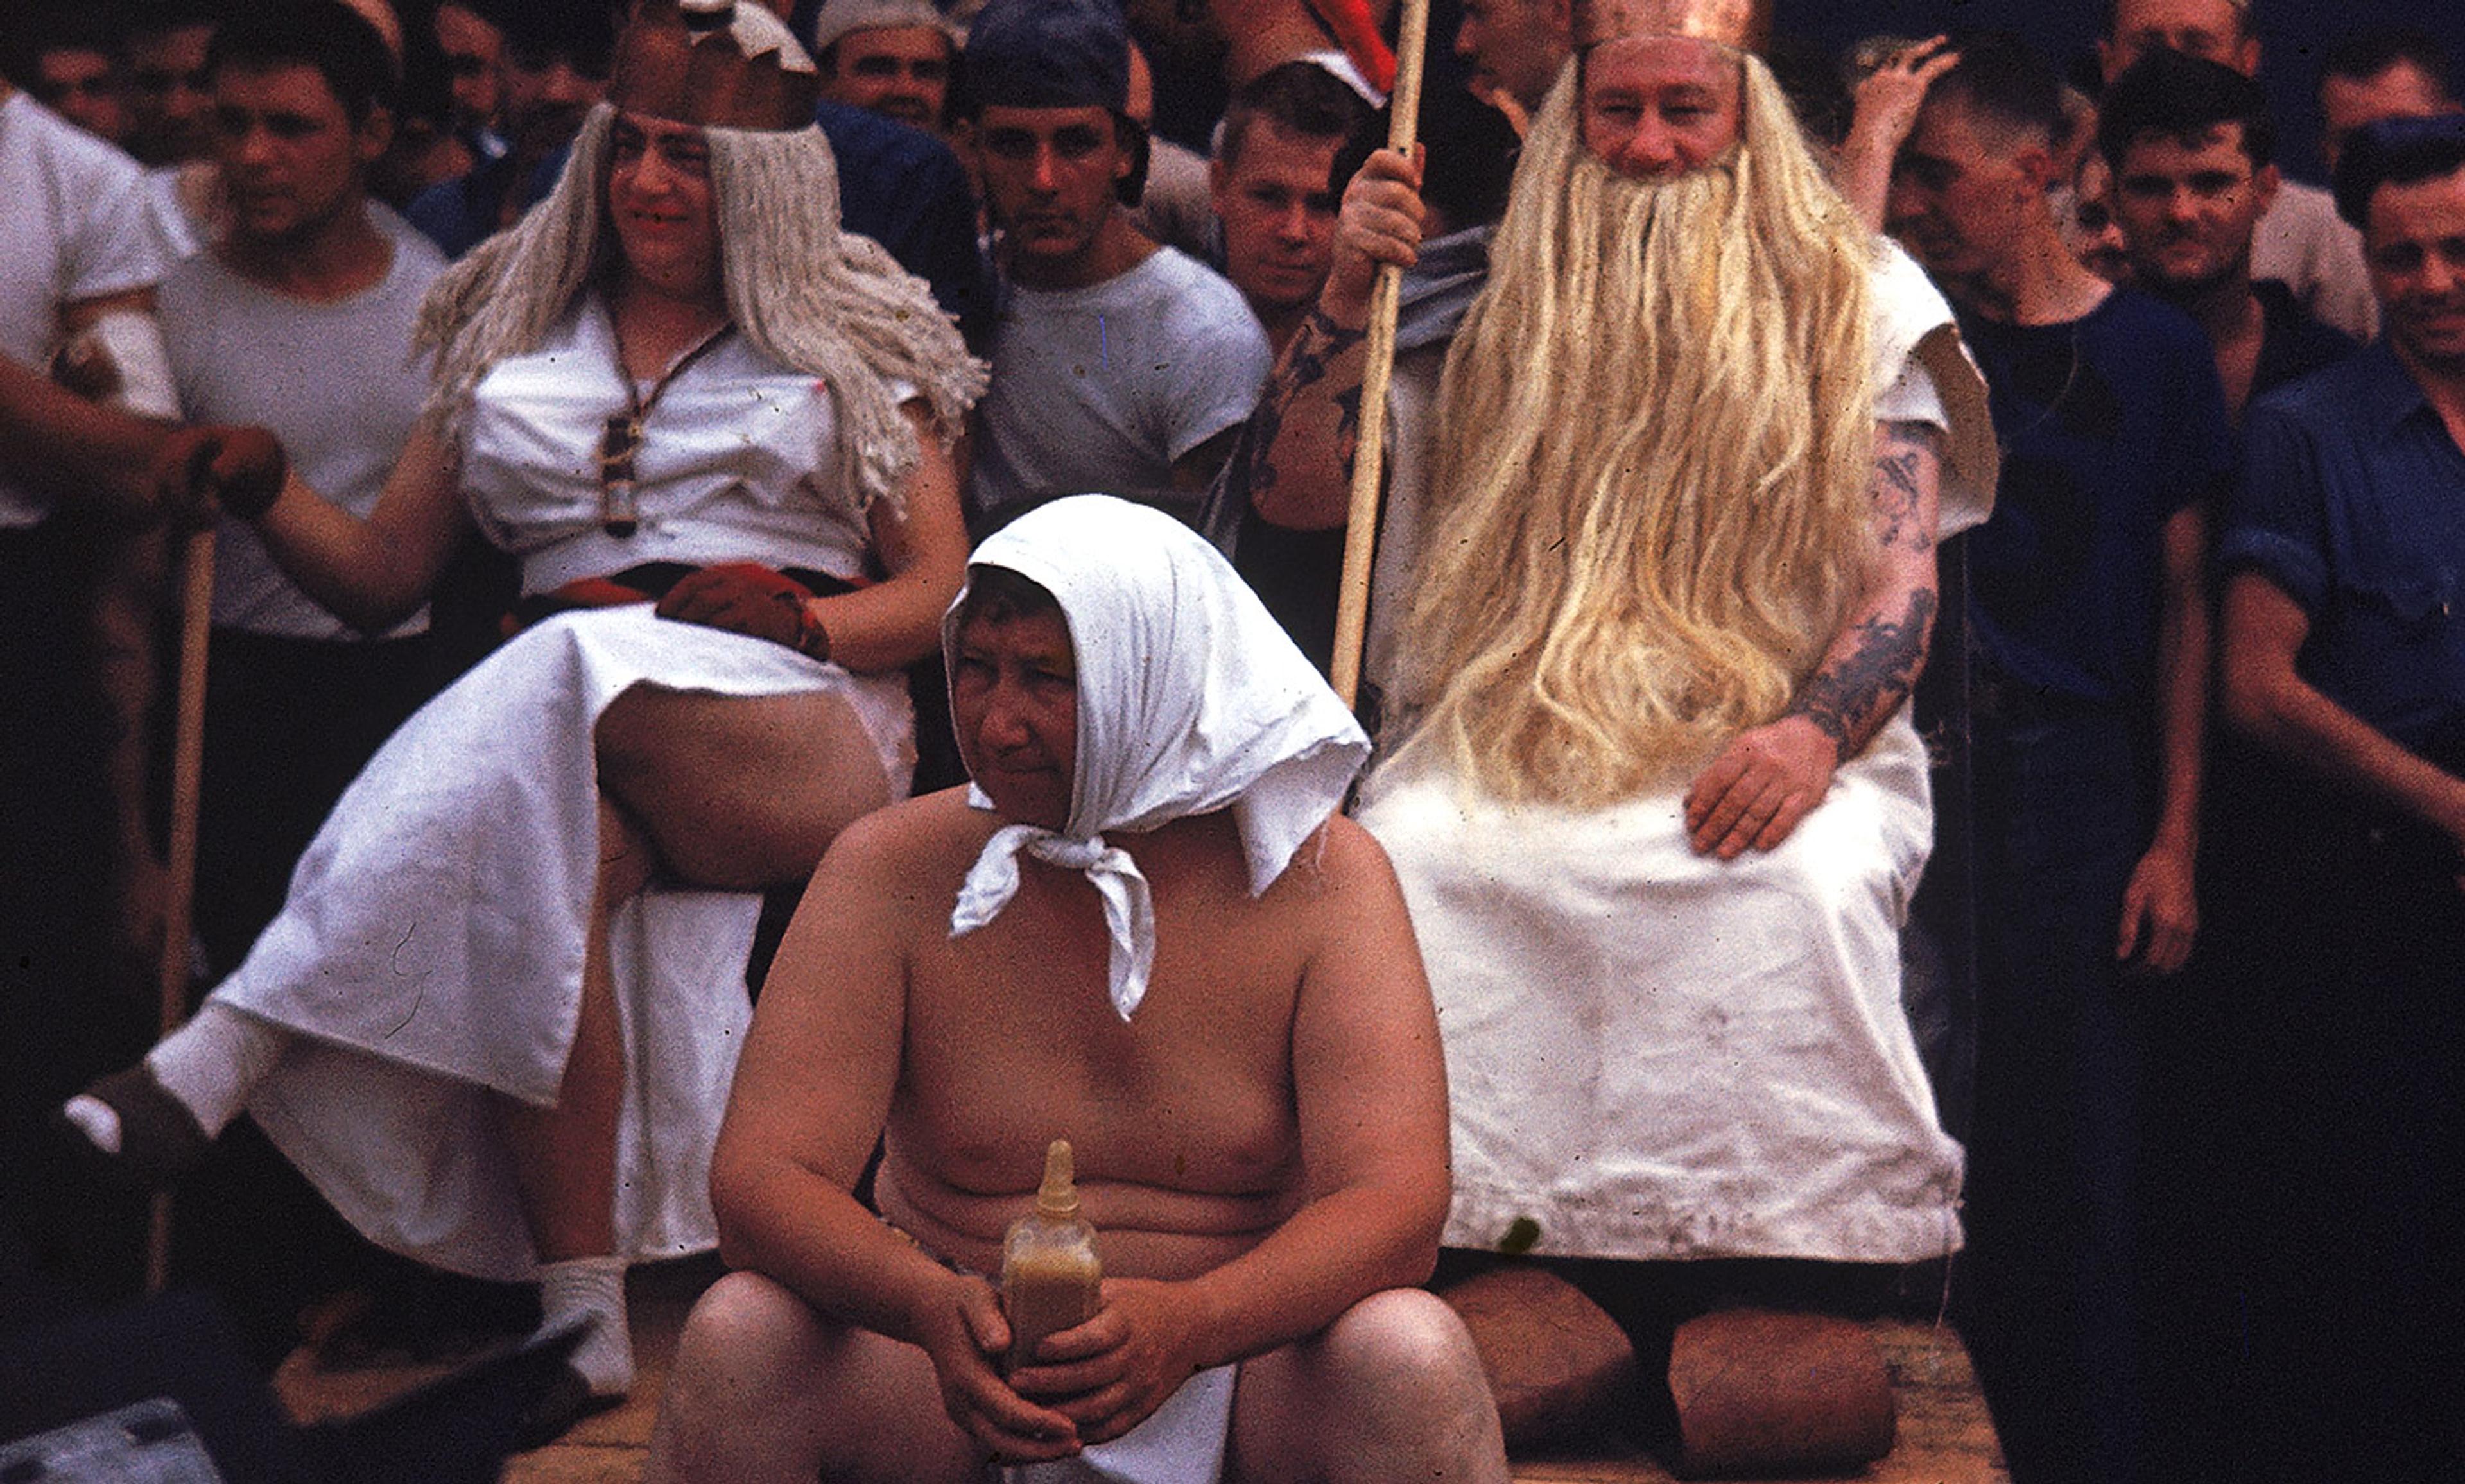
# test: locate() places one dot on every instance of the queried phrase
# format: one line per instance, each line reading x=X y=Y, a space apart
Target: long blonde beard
x=1657 y=441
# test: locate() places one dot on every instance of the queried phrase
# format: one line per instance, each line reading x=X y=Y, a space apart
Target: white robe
x=429 y=951
x=1655 y=1054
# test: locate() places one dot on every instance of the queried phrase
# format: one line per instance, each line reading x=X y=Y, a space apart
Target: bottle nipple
x=1058 y=1196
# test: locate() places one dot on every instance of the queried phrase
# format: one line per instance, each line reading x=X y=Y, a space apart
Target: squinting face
x=1658 y=106
x=2211 y=30
x=2188 y=212
x=1015 y=706
x=660 y=204
x=1278 y=215
x=900 y=72
x=2414 y=242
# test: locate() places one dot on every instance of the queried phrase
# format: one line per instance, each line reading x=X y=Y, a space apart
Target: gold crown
x=687 y=62
x=1744 y=25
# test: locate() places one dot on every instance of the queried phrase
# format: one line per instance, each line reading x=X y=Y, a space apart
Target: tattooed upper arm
x=1908 y=472
x=1305 y=366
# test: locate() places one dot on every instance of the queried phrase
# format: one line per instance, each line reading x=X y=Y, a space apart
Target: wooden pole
x=187 y=771
x=1369 y=458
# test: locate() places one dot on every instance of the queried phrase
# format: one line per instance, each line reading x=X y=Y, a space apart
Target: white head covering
x=1190 y=699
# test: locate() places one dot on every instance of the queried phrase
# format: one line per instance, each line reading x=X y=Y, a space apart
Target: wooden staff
x=1369 y=458
x=187 y=769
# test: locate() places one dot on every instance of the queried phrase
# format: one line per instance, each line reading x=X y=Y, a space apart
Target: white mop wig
x=832 y=304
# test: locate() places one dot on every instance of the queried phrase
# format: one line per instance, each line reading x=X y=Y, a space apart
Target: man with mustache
x=1646 y=637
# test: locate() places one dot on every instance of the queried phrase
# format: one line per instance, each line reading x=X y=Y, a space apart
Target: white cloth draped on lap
x=1652 y=1054
x=1190 y=699
x=430 y=949
x=1181 y=1442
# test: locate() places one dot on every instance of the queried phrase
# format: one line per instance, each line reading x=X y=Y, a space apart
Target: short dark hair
x=2359 y=55
x=996 y=594
x=326 y=34
x=2397 y=152
x=164 y=16
x=2173 y=95
x=1298 y=97
x=2006 y=79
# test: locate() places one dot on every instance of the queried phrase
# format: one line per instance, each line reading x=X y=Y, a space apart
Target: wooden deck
x=1944 y=1434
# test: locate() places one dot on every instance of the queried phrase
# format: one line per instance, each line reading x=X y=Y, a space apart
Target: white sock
x=94 y=1120
x=593 y=1287
x=214 y=1062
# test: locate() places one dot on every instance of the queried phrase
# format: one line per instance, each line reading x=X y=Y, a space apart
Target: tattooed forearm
x=1907 y=459
x=1304 y=364
x=1850 y=698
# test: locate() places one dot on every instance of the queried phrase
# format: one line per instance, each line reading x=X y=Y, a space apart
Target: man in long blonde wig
x=1647 y=642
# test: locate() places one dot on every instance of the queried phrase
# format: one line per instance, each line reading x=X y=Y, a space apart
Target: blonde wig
x=832 y=305
x=1655 y=448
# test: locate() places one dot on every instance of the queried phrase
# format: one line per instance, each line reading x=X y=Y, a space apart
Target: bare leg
x=762 y=1389
x=1392 y=1391
x=739 y=792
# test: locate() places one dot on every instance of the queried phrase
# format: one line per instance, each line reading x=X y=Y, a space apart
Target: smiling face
x=2414 y=242
x=2188 y=209
x=900 y=72
x=660 y=202
x=293 y=163
x=1015 y=706
x=1655 y=108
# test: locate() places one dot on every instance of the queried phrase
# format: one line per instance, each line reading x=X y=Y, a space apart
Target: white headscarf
x=1190 y=699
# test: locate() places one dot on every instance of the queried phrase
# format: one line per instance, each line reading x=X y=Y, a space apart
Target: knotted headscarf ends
x=1190 y=699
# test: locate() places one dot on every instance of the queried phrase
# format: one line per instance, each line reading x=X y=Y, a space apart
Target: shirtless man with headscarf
x=1145 y=929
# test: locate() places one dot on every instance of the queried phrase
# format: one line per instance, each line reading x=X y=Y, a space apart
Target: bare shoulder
x=913 y=842
x=1341 y=865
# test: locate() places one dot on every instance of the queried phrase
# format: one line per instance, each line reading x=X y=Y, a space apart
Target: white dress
x=429 y=953
x=1655 y=1054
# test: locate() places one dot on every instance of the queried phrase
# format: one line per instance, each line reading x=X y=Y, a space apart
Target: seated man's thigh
x=739 y=791
x=1392 y=1389
x=763 y=1388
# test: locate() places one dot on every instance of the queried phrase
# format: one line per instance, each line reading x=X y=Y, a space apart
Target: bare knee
x=748 y=1352
x=1404 y=1337
x=1392 y=1389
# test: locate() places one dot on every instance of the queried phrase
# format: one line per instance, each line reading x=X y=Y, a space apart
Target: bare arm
x=1754 y=794
x=1370 y=1092
x=2268 y=697
x=897 y=622
x=1886 y=108
x=1299 y=444
x=373 y=572
x=2161 y=914
x=812 y=1091
x=74 y=449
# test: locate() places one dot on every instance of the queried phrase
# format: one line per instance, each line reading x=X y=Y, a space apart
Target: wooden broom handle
x=1369 y=457
x=187 y=771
